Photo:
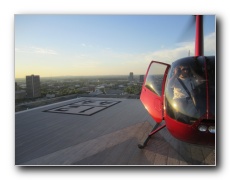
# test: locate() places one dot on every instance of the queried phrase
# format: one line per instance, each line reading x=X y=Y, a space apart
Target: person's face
x=184 y=71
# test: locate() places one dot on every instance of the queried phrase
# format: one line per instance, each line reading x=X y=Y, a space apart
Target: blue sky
x=80 y=45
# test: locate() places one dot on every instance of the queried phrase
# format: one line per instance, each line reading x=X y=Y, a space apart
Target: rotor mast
x=199 y=49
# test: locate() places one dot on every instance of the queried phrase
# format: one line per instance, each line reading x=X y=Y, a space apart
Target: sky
x=89 y=45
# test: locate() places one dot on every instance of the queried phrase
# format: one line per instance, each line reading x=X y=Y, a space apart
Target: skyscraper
x=131 y=77
x=141 y=78
x=33 y=86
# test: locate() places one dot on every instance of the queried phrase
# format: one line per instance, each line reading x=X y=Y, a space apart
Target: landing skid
x=155 y=130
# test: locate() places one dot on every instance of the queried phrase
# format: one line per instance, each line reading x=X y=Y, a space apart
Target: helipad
x=102 y=132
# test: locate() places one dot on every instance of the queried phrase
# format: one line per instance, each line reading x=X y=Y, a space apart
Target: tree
x=133 y=89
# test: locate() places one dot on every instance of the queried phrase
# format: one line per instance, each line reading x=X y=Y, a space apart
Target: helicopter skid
x=155 y=130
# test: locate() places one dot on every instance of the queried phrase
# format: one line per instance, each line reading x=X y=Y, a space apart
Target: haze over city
x=90 y=45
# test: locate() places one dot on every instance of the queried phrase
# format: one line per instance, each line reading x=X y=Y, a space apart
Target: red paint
x=190 y=133
x=199 y=36
x=153 y=102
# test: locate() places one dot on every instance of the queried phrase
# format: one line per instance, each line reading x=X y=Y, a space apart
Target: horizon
x=23 y=79
x=67 y=76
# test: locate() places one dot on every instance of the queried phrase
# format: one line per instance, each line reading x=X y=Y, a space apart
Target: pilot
x=183 y=84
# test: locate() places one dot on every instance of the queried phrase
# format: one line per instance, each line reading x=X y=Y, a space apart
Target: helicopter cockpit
x=183 y=94
x=190 y=89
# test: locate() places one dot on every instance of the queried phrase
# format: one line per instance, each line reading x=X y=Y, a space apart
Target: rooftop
x=99 y=131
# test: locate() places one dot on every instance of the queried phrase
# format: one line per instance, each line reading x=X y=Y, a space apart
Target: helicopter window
x=155 y=77
x=185 y=91
x=211 y=83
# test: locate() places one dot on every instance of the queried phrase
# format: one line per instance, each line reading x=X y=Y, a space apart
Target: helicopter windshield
x=154 y=78
x=185 y=92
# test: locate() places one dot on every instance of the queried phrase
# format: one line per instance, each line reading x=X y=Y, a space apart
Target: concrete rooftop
x=102 y=132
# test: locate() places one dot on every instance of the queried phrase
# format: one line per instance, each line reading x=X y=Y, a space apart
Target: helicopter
x=193 y=119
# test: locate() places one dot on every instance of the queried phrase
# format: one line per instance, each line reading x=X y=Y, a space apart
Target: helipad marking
x=86 y=107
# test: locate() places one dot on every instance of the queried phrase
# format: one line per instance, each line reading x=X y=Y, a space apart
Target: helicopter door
x=152 y=92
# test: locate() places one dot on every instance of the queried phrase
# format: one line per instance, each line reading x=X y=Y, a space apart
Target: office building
x=33 y=86
x=141 y=80
x=131 y=77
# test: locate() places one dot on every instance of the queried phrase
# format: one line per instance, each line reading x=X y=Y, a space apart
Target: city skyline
x=94 y=45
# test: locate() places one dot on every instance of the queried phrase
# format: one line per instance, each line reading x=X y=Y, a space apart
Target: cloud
x=86 y=45
x=139 y=62
x=169 y=55
x=36 y=50
x=107 y=59
x=44 y=51
x=182 y=50
x=210 y=44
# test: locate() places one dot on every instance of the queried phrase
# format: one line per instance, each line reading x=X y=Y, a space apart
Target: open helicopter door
x=152 y=94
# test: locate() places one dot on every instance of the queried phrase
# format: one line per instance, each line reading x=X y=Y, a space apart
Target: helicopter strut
x=155 y=130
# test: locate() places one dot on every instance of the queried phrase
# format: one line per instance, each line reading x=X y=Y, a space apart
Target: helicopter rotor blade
x=188 y=32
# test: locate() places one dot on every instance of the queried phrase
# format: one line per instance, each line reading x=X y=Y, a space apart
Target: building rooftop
x=99 y=131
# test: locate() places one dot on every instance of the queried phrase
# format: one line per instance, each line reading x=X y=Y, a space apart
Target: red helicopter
x=183 y=95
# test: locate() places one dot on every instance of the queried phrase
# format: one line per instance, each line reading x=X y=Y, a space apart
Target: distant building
x=131 y=76
x=96 y=92
x=121 y=86
x=16 y=86
x=21 y=94
x=141 y=80
x=100 y=89
x=33 y=86
x=50 y=95
x=114 y=92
